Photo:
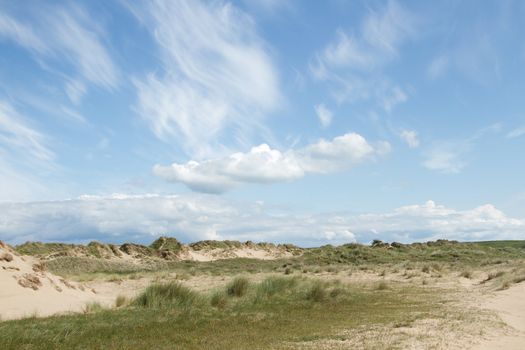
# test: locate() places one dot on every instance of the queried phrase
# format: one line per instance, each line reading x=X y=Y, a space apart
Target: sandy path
x=510 y=307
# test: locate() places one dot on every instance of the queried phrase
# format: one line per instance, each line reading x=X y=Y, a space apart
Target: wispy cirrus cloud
x=263 y=164
x=61 y=37
x=448 y=156
x=352 y=65
x=324 y=115
x=217 y=73
x=191 y=217
x=24 y=150
x=518 y=132
x=19 y=138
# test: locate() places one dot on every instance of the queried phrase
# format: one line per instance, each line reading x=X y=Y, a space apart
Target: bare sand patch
x=509 y=305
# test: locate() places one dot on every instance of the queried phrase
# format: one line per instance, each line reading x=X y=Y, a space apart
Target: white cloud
x=75 y=90
x=438 y=66
x=445 y=159
x=19 y=138
x=448 y=156
x=119 y=218
x=324 y=114
x=217 y=73
x=352 y=65
x=518 y=132
x=393 y=97
x=410 y=137
x=387 y=29
x=346 y=51
x=23 y=153
x=20 y=34
x=265 y=165
x=61 y=36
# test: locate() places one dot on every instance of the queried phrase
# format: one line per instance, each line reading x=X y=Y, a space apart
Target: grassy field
x=275 y=313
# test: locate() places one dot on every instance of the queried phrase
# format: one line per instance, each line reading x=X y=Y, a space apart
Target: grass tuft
x=219 y=300
x=382 y=286
x=121 y=301
x=238 y=287
x=92 y=307
x=274 y=285
x=163 y=295
x=317 y=292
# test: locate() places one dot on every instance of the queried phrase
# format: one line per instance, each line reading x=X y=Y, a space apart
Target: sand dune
x=27 y=289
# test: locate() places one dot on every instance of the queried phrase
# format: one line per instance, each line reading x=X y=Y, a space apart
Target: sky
x=309 y=122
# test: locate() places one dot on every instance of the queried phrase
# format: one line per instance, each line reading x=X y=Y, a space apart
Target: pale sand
x=52 y=295
x=510 y=307
x=218 y=254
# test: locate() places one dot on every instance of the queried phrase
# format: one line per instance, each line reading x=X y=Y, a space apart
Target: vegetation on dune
x=167 y=315
x=167 y=295
x=431 y=257
x=438 y=251
x=238 y=287
x=166 y=244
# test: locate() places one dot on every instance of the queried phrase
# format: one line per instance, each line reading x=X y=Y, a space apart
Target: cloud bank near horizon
x=141 y=218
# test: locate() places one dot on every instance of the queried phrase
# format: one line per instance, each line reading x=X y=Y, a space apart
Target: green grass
x=238 y=287
x=503 y=244
x=168 y=317
x=167 y=295
x=275 y=285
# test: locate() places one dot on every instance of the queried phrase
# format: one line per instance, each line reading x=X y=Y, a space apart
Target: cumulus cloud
x=142 y=218
x=324 y=114
x=352 y=64
x=410 y=137
x=263 y=164
x=216 y=73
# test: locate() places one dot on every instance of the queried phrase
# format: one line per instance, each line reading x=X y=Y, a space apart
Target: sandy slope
x=26 y=290
x=510 y=307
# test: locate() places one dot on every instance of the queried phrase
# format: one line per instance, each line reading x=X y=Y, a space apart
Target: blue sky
x=288 y=121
